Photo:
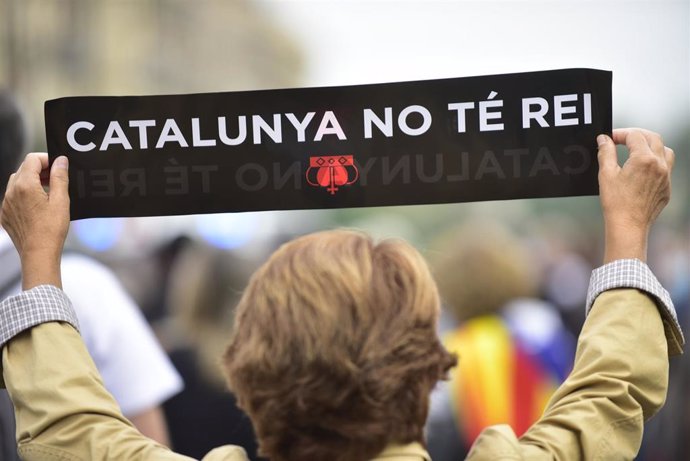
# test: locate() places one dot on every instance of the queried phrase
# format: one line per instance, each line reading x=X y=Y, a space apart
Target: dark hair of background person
x=13 y=137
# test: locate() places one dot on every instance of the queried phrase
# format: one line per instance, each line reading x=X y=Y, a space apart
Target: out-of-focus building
x=98 y=47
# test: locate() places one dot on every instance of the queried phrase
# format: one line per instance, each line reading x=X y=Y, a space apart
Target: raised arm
x=63 y=410
x=620 y=375
x=37 y=222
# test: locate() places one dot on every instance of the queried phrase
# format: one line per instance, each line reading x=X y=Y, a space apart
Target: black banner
x=493 y=137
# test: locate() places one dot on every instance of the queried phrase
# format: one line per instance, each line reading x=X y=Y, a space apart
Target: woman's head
x=334 y=348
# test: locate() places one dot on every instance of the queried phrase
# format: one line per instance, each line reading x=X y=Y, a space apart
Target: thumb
x=59 y=181
x=608 y=159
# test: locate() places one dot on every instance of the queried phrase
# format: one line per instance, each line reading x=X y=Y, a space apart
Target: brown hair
x=334 y=349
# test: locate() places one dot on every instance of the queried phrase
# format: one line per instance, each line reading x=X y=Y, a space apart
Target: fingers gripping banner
x=493 y=137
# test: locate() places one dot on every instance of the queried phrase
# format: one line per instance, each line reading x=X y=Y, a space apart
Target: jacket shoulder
x=500 y=443
x=226 y=453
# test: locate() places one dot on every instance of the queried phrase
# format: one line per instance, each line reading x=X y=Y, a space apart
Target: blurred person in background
x=134 y=367
x=668 y=432
x=566 y=250
x=334 y=349
x=203 y=289
x=513 y=349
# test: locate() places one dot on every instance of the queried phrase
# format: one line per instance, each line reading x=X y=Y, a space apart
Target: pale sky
x=645 y=43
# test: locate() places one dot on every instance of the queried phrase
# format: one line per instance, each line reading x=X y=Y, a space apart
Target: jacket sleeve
x=63 y=410
x=619 y=379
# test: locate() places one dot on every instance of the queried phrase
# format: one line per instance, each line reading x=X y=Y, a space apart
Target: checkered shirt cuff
x=41 y=304
x=633 y=273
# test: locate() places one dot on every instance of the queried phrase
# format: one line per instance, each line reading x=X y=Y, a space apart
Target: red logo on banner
x=331 y=171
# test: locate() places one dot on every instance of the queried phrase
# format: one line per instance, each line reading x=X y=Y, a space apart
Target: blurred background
x=51 y=49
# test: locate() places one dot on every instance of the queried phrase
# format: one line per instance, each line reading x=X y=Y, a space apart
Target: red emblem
x=331 y=171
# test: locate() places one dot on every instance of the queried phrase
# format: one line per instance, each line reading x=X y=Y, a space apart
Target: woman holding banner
x=334 y=349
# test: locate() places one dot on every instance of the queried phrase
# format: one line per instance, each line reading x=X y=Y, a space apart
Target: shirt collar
x=410 y=452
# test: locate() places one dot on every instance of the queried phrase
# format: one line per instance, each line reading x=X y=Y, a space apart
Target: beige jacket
x=619 y=379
